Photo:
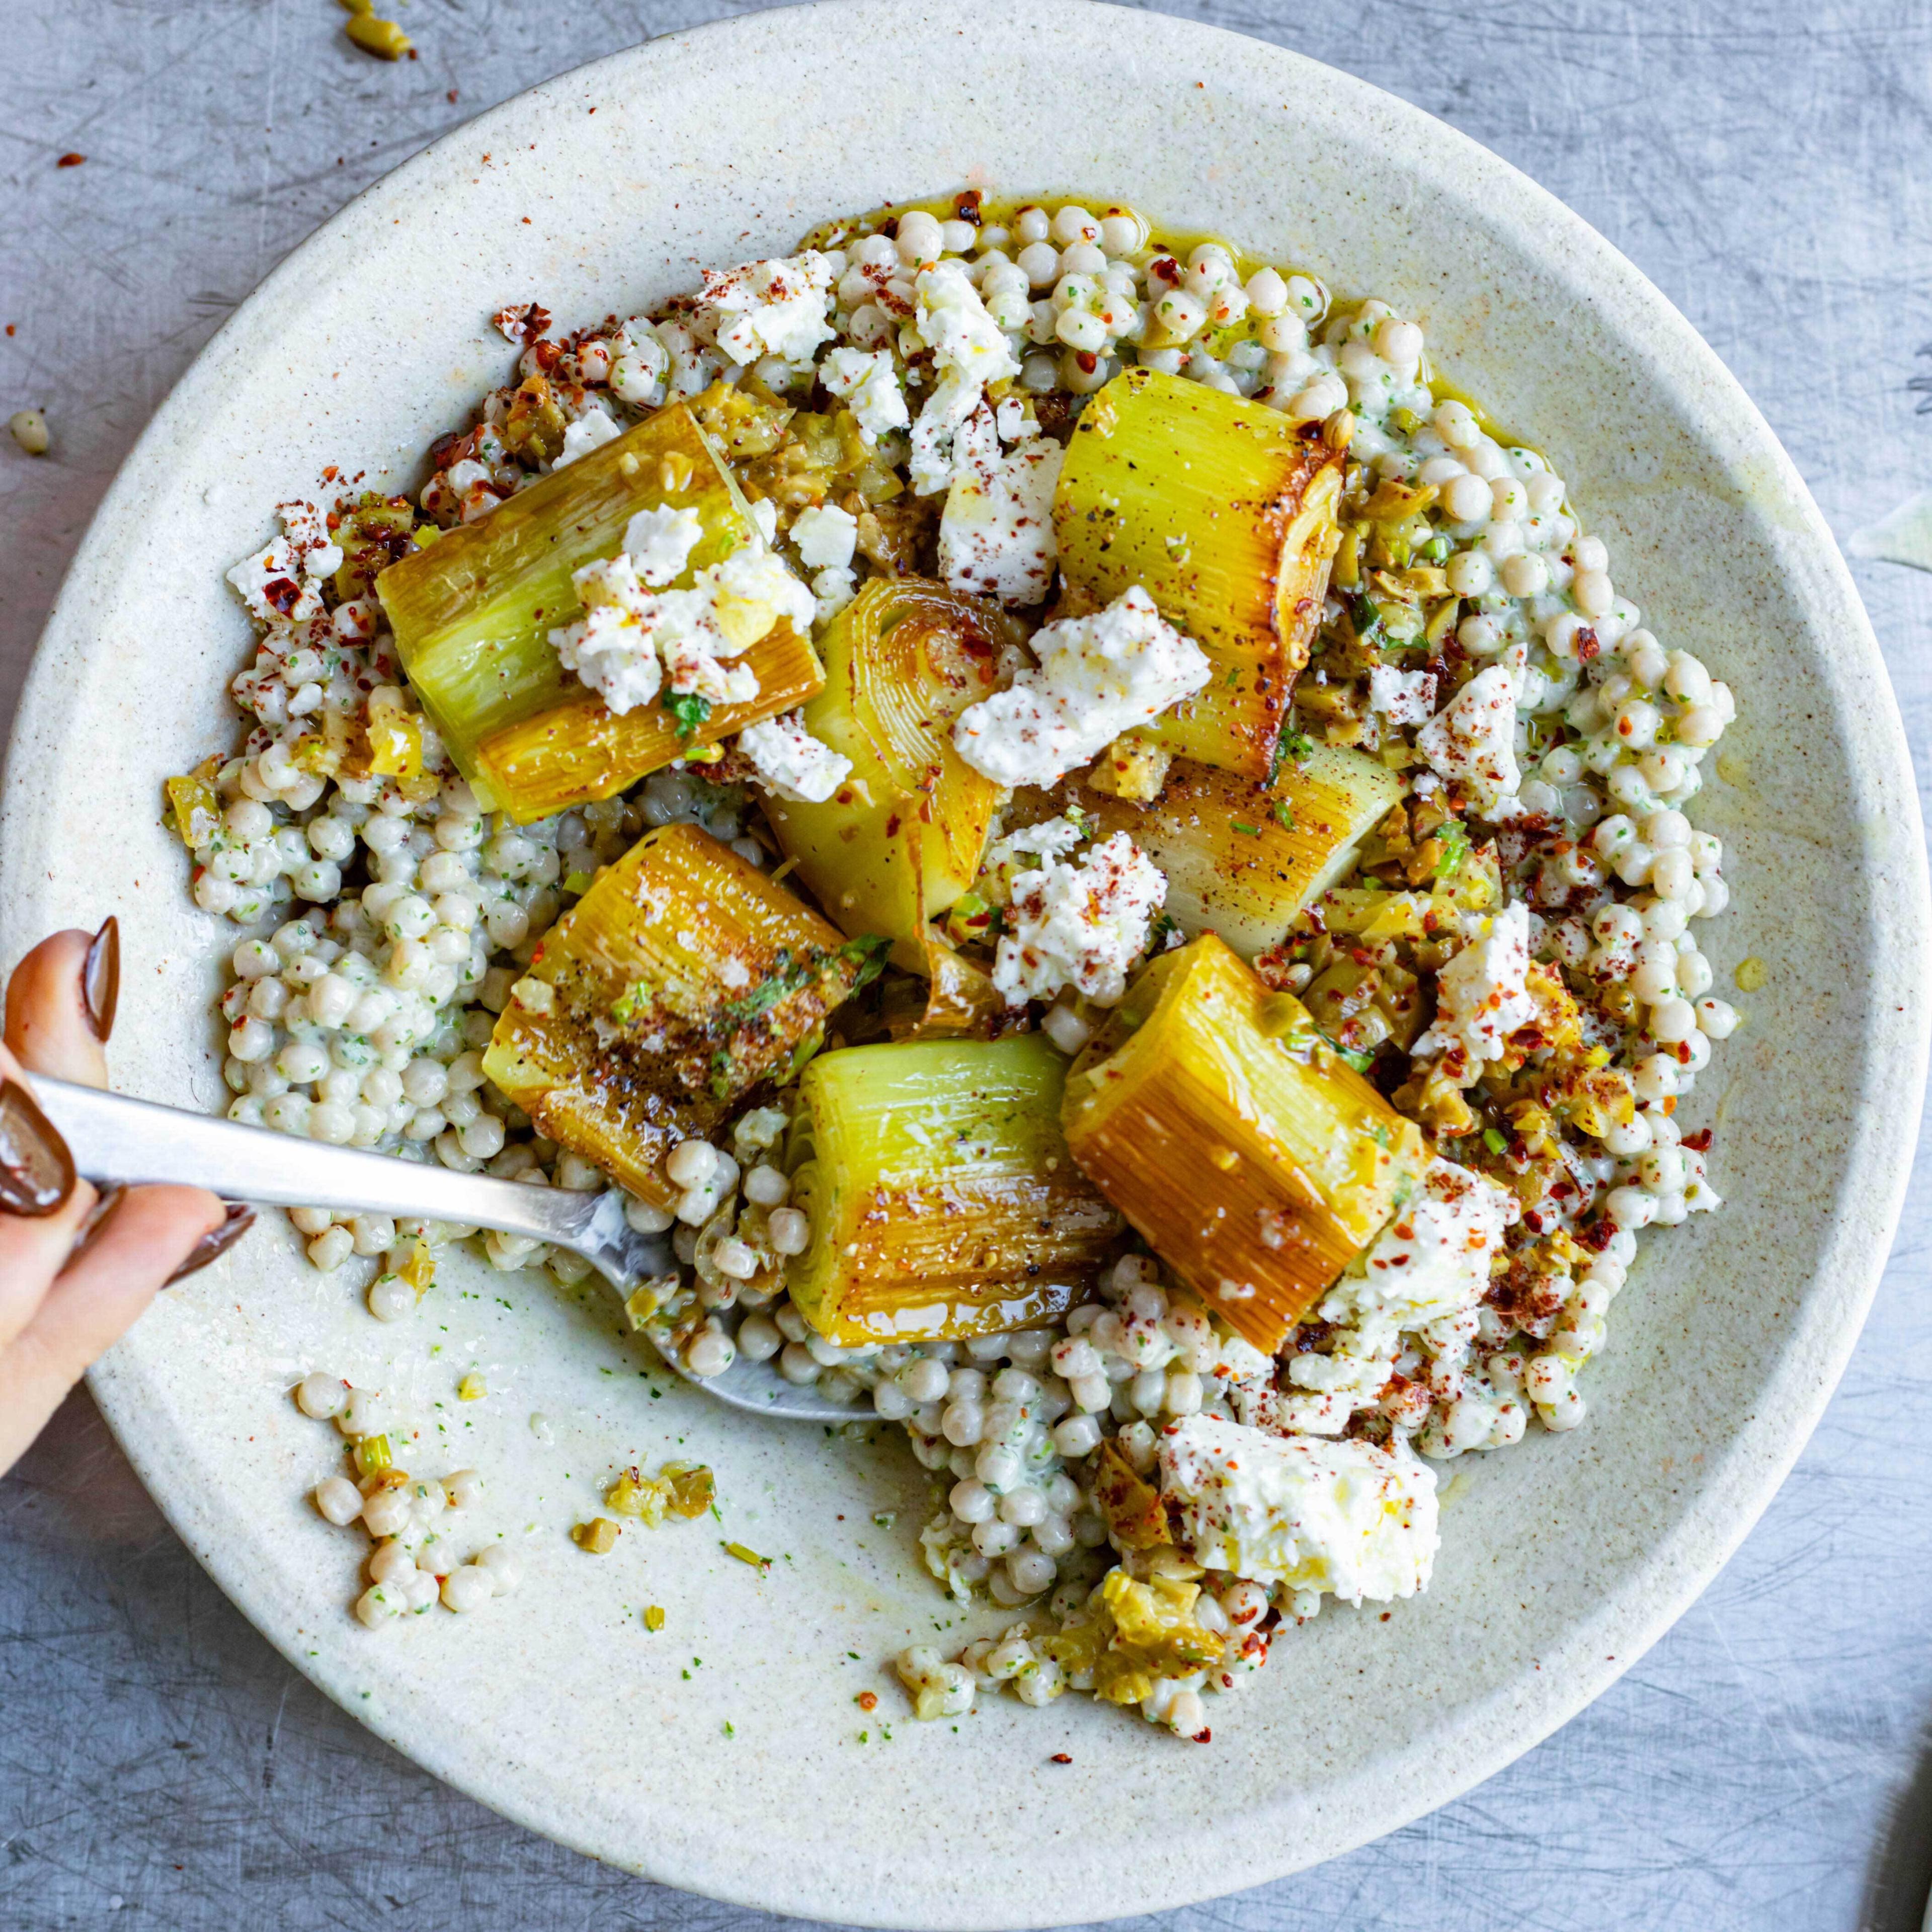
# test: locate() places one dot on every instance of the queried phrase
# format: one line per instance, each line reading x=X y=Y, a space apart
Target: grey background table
x=1769 y=1763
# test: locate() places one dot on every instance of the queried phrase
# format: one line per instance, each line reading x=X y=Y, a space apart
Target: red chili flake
x=868 y=1700
x=1061 y=1757
x=1088 y=360
x=967 y=205
x=9 y=328
x=282 y=592
x=1699 y=1142
x=1588 y=645
x=892 y=826
x=450 y=97
x=70 y=161
x=1164 y=269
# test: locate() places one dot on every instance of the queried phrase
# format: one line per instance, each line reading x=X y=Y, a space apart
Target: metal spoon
x=114 y=1138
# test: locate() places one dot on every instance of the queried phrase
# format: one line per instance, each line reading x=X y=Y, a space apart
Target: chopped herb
x=689 y=710
x=1284 y=814
x=1495 y=1141
x=1361 y=1062
x=633 y=1003
x=1293 y=747
x=760 y=1564
x=1242 y=825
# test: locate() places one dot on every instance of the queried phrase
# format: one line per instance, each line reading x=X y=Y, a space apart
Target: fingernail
x=240 y=1218
x=100 y=979
x=36 y=1170
x=108 y=1199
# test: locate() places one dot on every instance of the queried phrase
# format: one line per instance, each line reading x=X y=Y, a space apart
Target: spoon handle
x=113 y=1138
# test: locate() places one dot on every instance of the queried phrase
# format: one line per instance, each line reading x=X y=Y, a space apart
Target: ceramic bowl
x=726 y=1752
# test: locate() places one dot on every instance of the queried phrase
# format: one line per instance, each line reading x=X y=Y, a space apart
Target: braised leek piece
x=1242 y=860
x=473 y=614
x=1227 y=518
x=682 y=978
x=901 y=839
x=942 y=1199
x=1255 y=1161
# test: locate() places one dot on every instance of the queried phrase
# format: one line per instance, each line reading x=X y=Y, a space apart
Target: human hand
x=76 y=1266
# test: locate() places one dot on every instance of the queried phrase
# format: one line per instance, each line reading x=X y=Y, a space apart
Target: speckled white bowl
x=744 y=1776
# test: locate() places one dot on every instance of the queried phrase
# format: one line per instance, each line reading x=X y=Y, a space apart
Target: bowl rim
x=1758 y=1453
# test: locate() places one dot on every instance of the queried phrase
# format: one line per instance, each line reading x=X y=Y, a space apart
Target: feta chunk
x=632 y=639
x=791 y=762
x=282 y=583
x=996 y=532
x=867 y=382
x=825 y=537
x=1402 y=696
x=659 y=542
x=1481 y=995
x=1345 y=1516
x=1098 y=676
x=613 y=647
x=768 y=308
x=1432 y=1260
x=831 y=590
x=591 y=430
x=953 y=322
x=947 y=410
x=1471 y=741
x=1081 y=926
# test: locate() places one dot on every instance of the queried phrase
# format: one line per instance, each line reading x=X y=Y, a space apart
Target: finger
x=61 y=1004
x=32 y=1252
x=146 y=1236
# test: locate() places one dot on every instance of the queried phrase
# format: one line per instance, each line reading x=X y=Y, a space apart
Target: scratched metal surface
x=1771 y=1761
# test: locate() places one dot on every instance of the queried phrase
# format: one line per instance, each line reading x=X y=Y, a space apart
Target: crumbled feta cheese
x=1081 y=926
x=591 y=430
x=953 y=323
x=521 y=322
x=658 y=542
x=825 y=537
x=632 y=639
x=613 y=647
x=1471 y=741
x=868 y=383
x=768 y=308
x=1432 y=1260
x=1098 y=676
x=996 y=533
x=831 y=590
x=282 y=583
x=1481 y=997
x=947 y=409
x=1402 y=697
x=790 y=762
x=1345 y=1516
x=1015 y=424
x=765 y=517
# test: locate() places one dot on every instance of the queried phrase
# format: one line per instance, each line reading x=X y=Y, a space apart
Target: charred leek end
x=942 y=1199
x=683 y=978
x=1227 y=518
x=902 y=838
x=1242 y=861
x=472 y=614
x=1213 y=1114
